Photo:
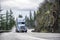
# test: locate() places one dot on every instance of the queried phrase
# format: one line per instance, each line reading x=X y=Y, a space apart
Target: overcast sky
x=15 y=5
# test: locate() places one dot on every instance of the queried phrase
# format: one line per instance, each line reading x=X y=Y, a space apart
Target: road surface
x=29 y=36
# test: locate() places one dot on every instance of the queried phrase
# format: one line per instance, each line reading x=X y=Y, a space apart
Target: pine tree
x=11 y=20
x=2 y=22
x=34 y=15
x=30 y=19
x=27 y=21
x=7 y=19
x=34 y=19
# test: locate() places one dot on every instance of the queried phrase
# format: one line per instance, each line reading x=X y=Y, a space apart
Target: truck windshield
x=21 y=22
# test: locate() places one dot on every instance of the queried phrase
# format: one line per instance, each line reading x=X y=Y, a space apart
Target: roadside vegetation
x=6 y=21
x=48 y=17
x=30 y=21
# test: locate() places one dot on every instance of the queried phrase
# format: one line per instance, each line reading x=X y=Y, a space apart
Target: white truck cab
x=20 y=25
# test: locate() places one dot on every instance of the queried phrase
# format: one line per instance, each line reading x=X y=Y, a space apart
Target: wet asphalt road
x=29 y=36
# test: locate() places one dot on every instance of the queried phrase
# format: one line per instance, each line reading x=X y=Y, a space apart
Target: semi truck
x=20 y=25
